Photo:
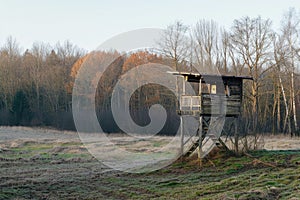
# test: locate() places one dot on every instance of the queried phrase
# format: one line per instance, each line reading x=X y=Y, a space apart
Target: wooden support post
x=200 y=142
x=177 y=88
x=236 y=136
x=181 y=136
x=183 y=86
x=200 y=125
x=200 y=87
x=181 y=119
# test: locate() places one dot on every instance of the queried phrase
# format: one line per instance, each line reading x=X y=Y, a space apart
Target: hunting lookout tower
x=210 y=99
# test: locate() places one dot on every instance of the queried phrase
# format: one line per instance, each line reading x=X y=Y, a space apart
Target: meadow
x=40 y=163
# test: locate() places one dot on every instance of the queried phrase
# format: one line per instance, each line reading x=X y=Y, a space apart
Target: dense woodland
x=36 y=84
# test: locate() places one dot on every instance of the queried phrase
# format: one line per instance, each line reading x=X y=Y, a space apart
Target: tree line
x=36 y=85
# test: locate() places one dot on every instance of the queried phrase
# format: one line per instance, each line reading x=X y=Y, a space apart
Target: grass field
x=52 y=167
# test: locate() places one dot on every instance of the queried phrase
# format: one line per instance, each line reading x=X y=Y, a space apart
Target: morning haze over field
x=150 y=100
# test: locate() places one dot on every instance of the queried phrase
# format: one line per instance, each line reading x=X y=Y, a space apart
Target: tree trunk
x=286 y=119
x=278 y=110
x=293 y=102
x=254 y=105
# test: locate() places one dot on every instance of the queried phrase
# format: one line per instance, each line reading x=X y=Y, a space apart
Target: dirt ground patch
x=281 y=142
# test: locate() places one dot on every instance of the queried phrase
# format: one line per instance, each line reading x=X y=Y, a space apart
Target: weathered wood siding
x=220 y=105
x=227 y=100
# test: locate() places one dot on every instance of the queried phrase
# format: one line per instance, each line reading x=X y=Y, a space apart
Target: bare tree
x=68 y=53
x=206 y=36
x=280 y=57
x=225 y=50
x=290 y=34
x=174 y=43
x=10 y=75
x=251 y=40
x=40 y=52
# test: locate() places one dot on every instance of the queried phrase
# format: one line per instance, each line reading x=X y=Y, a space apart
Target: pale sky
x=91 y=22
